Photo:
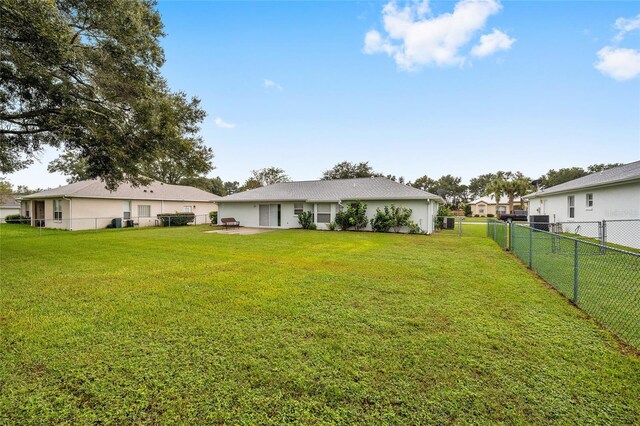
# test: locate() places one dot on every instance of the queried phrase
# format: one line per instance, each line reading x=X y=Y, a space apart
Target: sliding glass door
x=269 y=215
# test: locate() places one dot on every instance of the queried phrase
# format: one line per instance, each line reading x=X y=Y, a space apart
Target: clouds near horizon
x=414 y=37
x=223 y=124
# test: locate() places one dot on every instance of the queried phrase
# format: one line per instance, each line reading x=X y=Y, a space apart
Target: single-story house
x=486 y=205
x=88 y=204
x=8 y=206
x=278 y=205
x=612 y=195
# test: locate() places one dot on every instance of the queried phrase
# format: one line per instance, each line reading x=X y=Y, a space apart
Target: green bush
x=382 y=221
x=17 y=219
x=332 y=226
x=467 y=210
x=414 y=228
x=305 y=219
x=176 y=219
x=354 y=217
x=476 y=215
x=400 y=217
x=213 y=216
x=490 y=215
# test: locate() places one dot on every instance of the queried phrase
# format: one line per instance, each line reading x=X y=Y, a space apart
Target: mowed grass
x=179 y=326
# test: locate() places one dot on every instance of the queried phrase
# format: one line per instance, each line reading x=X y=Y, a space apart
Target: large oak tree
x=84 y=76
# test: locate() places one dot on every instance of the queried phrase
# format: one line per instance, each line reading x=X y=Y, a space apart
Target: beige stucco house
x=89 y=205
x=484 y=206
x=8 y=206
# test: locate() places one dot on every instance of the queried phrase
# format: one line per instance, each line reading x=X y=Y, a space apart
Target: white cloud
x=414 y=39
x=624 y=25
x=223 y=124
x=491 y=43
x=270 y=84
x=618 y=63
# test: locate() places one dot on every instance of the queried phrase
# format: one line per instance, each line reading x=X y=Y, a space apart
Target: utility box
x=116 y=222
x=449 y=223
x=540 y=222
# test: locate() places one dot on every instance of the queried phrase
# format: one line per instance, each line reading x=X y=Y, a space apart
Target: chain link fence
x=603 y=281
x=101 y=224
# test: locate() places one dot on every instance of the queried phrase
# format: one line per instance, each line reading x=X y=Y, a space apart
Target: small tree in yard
x=399 y=217
x=305 y=219
x=382 y=221
x=467 y=210
x=354 y=217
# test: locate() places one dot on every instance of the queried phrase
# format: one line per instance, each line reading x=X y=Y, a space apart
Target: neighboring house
x=8 y=205
x=278 y=205
x=89 y=205
x=484 y=206
x=611 y=195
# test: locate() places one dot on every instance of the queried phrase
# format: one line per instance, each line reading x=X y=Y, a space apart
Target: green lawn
x=178 y=326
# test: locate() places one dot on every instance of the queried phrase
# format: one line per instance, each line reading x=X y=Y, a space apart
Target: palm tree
x=515 y=185
x=496 y=188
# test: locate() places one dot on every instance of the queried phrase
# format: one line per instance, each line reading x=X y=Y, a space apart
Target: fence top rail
x=576 y=239
x=622 y=220
x=577 y=222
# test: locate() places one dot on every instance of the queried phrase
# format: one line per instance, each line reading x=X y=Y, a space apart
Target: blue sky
x=295 y=85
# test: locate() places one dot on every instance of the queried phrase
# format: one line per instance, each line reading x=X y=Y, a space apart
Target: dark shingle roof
x=154 y=191
x=378 y=188
x=9 y=201
x=626 y=173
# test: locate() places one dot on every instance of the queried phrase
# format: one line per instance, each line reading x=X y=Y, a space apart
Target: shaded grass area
x=608 y=281
x=175 y=325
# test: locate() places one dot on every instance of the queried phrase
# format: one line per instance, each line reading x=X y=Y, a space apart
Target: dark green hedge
x=17 y=219
x=176 y=219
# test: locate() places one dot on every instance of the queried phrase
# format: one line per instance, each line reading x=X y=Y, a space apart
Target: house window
x=186 y=209
x=298 y=208
x=590 y=200
x=571 y=203
x=144 y=211
x=502 y=209
x=57 y=210
x=126 y=209
x=324 y=213
x=481 y=209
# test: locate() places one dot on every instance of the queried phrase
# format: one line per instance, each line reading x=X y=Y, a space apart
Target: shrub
x=476 y=215
x=490 y=215
x=305 y=219
x=399 y=217
x=17 y=219
x=342 y=220
x=355 y=216
x=382 y=221
x=414 y=228
x=176 y=219
x=331 y=226
x=213 y=216
x=467 y=210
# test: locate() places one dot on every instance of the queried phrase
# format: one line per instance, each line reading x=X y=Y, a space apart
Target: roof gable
x=377 y=188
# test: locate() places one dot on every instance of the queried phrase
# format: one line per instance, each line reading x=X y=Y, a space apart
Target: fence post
x=506 y=235
x=530 y=247
x=460 y=226
x=96 y=224
x=575 y=271
x=511 y=236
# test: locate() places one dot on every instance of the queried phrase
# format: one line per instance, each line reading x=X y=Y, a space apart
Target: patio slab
x=241 y=231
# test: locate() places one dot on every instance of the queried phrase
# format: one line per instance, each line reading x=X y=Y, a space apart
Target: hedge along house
x=612 y=196
x=278 y=205
x=89 y=205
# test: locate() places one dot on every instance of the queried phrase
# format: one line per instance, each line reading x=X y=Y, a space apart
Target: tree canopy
x=348 y=170
x=84 y=76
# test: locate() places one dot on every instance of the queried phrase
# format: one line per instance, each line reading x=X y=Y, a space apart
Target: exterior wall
x=247 y=213
x=92 y=213
x=5 y=211
x=621 y=202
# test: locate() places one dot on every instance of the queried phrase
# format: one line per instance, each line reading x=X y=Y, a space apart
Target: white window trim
x=301 y=209
x=589 y=207
x=571 y=205
x=59 y=204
